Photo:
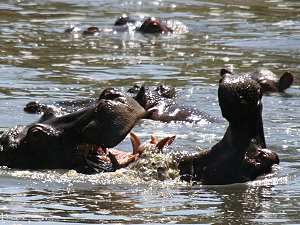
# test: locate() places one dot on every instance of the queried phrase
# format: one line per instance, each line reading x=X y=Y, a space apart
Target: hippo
x=268 y=81
x=241 y=155
x=77 y=140
x=141 y=24
x=150 y=25
x=164 y=108
x=158 y=101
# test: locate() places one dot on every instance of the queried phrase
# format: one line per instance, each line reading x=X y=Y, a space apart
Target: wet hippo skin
x=76 y=140
x=241 y=155
x=268 y=81
x=159 y=100
x=165 y=109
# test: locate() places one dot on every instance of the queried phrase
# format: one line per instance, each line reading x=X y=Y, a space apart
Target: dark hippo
x=163 y=107
x=77 y=140
x=159 y=101
x=268 y=81
x=142 y=24
x=241 y=155
x=147 y=25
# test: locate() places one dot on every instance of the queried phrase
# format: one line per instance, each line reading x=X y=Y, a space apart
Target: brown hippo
x=241 y=155
x=142 y=24
x=77 y=140
x=268 y=81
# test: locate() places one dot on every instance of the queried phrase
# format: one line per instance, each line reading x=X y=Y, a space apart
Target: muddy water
x=39 y=62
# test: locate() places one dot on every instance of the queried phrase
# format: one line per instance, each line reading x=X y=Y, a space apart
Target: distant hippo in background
x=148 y=25
x=241 y=155
x=268 y=81
x=77 y=140
x=142 y=24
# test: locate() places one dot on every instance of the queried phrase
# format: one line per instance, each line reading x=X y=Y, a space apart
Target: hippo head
x=152 y=25
x=240 y=103
x=91 y=31
x=149 y=98
x=123 y=20
x=112 y=118
x=239 y=98
x=268 y=81
x=54 y=142
x=280 y=85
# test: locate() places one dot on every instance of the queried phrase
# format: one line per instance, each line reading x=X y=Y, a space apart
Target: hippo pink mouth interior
x=99 y=155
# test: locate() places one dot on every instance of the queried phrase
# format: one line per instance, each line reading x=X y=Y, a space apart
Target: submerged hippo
x=77 y=140
x=148 y=25
x=142 y=24
x=164 y=108
x=241 y=155
x=268 y=81
x=159 y=101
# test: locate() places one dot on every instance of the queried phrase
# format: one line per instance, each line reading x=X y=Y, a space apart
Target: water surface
x=39 y=62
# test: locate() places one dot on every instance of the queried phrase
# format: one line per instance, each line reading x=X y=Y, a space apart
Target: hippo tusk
x=165 y=142
x=136 y=142
x=154 y=139
x=114 y=161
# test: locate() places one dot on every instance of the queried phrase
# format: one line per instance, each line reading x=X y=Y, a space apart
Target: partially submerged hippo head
x=55 y=142
x=124 y=20
x=152 y=25
x=241 y=155
x=91 y=31
x=268 y=81
x=240 y=103
x=149 y=98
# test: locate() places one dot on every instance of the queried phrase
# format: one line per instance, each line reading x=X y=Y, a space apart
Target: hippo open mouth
x=56 y=142
x=241 y=155
x=95 y=159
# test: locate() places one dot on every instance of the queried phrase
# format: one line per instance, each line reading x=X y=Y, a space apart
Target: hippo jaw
x=56 y=142
x=112 y=121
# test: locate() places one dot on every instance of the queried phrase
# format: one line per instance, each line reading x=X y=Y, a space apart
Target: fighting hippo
x=158 y=100
x=268 y=81
x=241 y=155
x=142 y=24
x=77 y=140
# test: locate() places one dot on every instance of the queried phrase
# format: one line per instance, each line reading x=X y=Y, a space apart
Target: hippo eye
x=121 y=99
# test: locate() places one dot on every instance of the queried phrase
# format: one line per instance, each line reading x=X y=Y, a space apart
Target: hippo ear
x=136 y=142
x=164 y=142
x=285 y=81
x=140 y=97
x=224 y=71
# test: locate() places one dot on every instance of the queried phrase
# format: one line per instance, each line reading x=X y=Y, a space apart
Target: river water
x=39 y=62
